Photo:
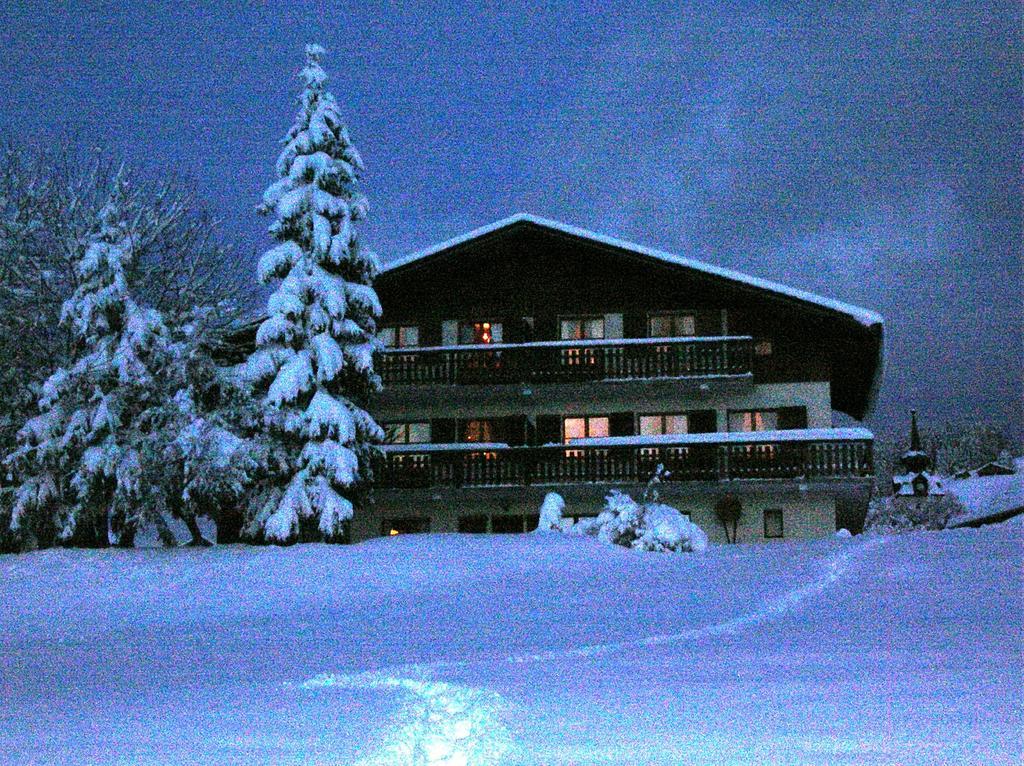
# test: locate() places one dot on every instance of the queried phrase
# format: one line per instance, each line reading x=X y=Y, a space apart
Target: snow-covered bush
x=666 y=529
x=551 y=513
x=650 y=526
x=890 y=514
x=313 y=362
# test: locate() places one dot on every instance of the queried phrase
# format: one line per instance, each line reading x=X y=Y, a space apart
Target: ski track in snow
x=445 y=724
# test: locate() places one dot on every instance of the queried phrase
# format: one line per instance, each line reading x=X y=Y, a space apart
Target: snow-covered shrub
x=650 y=526
x=620 y=520
x=890 y=514
x=666 y=529
x=551 y=513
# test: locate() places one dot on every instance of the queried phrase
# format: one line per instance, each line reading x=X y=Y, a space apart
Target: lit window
x=747 y=421
x=407 y=433
x=584 y=428
x=582 y=328
x=763 y=348
x=478 y=431
x=773 y=523
x=474 y=333
x=671 y=326
x=399 y=336
x=657 y=425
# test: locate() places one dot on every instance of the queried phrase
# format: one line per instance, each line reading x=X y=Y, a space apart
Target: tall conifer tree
x=313 y=362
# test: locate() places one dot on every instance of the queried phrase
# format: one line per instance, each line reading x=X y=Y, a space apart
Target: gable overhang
x=856 y=365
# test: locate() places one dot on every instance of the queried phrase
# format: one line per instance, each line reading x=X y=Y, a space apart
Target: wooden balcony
x=567 y=361
x=808 y=454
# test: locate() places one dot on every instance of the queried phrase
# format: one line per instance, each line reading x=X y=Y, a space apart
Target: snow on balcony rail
x=732 y=437
x=570 y=343
x=568 y=361
x=801 y=454
x=448 y=447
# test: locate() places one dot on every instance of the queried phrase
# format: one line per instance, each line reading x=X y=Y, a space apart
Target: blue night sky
x=869 y=152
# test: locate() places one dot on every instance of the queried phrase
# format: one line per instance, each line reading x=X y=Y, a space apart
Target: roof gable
x=865 y=317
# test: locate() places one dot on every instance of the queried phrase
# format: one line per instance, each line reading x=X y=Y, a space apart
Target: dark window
x=702 y=421
x=763 y=348
x=477 y=523
x=406 y=525
x=792 y=417
x=773 y=522
x=507 y=523
x=671 y=325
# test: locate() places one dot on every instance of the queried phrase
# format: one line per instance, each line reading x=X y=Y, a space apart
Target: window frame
x=782 y=523
x=663 y=416
x=582 y=319
x=675 y=314
x=493 y=425
x=405 y=426
x=729 y=414
x=397 y=329
x=471 y=323
x=586 y=426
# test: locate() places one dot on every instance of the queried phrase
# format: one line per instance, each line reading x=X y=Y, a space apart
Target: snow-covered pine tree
x=314 y=352
x=80 y=459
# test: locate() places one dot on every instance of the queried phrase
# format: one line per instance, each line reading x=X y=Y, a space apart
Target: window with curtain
x=407 y=433
x=658 y=425
x=480 y=333
x=746 y=421
x=581 y=328
x=584 y=427
x=671 y=325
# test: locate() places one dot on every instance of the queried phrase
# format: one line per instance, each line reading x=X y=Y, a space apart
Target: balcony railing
x=810 y=454
x=567 y=361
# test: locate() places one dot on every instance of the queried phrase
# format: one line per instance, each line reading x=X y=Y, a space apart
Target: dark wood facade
x=528 y=276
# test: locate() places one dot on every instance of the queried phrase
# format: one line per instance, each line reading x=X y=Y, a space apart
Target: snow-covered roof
x=903 y=484
x=863 y=316
x=989 y=496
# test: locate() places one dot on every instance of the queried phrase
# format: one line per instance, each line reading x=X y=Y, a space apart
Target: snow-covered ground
x=535 y=649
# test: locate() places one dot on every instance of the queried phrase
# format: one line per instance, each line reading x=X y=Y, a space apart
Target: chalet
x=530 y=356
